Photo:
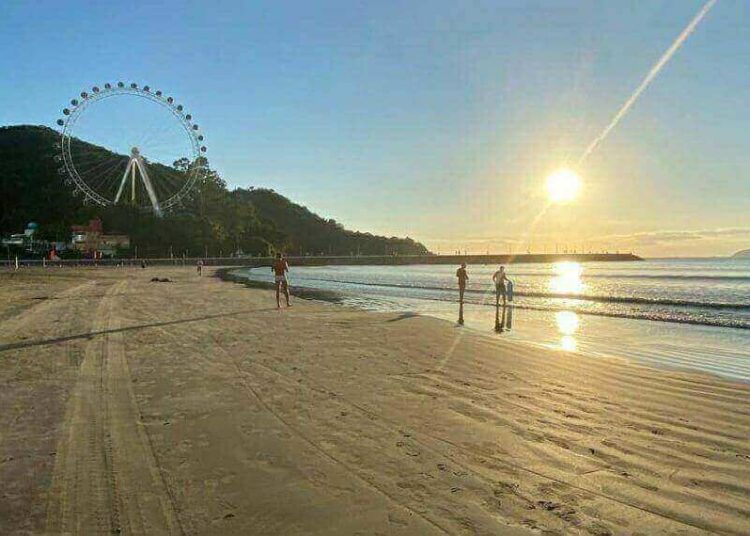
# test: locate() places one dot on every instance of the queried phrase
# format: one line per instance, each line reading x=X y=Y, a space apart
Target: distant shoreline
x=341 y=260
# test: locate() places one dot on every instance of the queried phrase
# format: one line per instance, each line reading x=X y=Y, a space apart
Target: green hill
x=309 y=233
x=213 y=219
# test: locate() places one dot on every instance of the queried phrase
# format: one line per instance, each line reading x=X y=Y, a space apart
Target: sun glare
x=567 y=324
x=567 y=278
x=563 y=186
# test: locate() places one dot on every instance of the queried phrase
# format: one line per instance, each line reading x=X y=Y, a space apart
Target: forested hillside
x=213 y=218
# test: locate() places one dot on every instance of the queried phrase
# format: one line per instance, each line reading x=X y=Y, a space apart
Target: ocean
x=686 y=313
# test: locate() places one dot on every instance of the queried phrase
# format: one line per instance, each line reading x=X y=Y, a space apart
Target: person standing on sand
x=463 y=277
x=279 y=269
x=199 y=264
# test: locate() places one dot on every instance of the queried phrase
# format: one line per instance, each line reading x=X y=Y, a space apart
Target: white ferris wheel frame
x=136 y=162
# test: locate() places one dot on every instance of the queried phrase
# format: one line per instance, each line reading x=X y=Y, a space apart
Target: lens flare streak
x=648 y=79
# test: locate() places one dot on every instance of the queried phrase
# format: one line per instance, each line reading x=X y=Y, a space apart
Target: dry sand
x=195 y=407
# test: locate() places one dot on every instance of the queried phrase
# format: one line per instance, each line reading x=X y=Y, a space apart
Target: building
x=25 y=243
x=91 y=239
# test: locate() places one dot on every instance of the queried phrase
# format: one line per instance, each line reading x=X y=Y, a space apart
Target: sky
x=436 y=120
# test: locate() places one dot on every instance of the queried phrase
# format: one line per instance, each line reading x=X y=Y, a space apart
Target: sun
x=563 y=186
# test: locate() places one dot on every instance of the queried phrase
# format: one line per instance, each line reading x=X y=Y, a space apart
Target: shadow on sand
x=91 y=334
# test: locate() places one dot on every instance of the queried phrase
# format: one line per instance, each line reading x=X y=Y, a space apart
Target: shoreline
x=586 y=299
x=536 y=327
x=344 y=260
x=228 y=416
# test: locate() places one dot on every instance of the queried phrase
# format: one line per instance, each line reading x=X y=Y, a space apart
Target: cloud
x=660 y=237
x=476 y=240
x=697 y=242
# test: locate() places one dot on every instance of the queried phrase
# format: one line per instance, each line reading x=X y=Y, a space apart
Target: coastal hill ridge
x=214 y=220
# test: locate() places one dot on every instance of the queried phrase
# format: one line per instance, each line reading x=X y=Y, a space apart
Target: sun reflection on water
x=567 y=322
x=567 y=279
x=568 y=343
x=567 y=325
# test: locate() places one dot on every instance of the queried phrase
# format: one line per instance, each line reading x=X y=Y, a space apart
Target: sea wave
x=662 y=277
x=657 y=316
x=566 y=296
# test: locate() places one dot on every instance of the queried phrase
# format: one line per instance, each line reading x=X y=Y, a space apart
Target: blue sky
x=438 y=120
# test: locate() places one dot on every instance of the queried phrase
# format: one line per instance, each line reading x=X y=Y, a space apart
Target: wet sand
x=196 y=407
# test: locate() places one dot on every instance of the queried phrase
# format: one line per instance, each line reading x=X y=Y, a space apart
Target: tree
x=212 y=218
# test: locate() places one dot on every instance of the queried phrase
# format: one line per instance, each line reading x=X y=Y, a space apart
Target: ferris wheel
x=130 y=144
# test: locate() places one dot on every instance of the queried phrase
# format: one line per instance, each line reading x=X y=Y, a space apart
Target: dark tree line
x=213 y=219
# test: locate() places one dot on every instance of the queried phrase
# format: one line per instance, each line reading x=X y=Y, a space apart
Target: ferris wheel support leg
x=132 y=182
x=123 y=181
x=149 y=187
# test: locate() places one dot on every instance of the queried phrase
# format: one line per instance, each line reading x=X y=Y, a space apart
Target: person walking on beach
x=280 y=268
x=200 y=267
x=500 y=278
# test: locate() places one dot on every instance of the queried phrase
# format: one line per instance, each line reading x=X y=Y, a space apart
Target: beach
x=196 y=407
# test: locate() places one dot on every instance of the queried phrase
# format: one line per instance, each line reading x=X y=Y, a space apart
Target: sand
x=196 y=407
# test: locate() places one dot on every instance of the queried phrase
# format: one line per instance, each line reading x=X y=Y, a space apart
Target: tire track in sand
x=34 y=384
x=20 y=324
x=106 y=478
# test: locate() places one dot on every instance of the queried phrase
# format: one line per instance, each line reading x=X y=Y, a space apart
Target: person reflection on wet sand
x=499 y=278
x=509 y=316
x=499 y=321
